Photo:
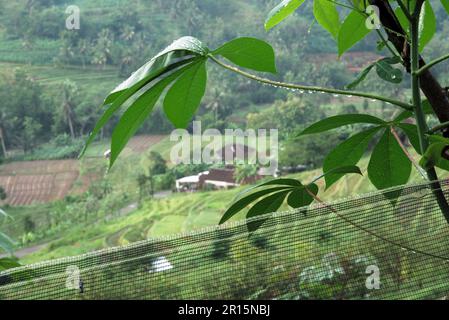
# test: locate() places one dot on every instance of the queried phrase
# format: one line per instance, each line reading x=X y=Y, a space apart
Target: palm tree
x=69 y=94
x=102 y=49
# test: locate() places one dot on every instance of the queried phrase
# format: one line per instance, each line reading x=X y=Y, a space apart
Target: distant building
x=223 y=178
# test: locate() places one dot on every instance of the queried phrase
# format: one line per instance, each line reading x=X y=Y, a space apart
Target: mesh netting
x=360 y=248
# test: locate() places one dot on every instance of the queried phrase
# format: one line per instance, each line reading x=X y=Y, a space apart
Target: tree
x=31 y=129
x=403 y=29
x=102 y=49
x=3 y=194
x=7 y=245
x=69 y=92
x=243 y=172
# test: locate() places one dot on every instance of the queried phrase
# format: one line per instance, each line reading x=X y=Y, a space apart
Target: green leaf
x=299 y=197
x=183 y=98
x=340 y=170
x=281 y=11
x=351 y=31
x=327 y=16
x=441 y=163
x=279 y=182
x=445 y=4
x=434 y=156
x=403 y=20
x=249 y=53
x=8 y=263
x=386 y=72
x=340 y=121
x=6 y=243
x=388 y=166
x=427 y=25
x=139 y=110
x=269 y=204
x=427 y=109
x=159 y=64
x=349 y=152
x=243 y=202
x=178 y=54
x=360 y=77
x=411 y=131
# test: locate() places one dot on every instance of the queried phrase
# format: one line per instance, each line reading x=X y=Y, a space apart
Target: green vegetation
x=53 y=81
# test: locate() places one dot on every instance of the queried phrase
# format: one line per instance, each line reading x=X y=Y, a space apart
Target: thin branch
x=388 y=46
x=439 y=127
x=431 y=64
x=371 y=233
x=401 y=104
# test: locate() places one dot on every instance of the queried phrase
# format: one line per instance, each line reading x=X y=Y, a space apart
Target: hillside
x=178 y=213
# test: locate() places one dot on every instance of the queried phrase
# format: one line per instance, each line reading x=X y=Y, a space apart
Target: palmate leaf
x=268 y=204
x=278 y=182
x=245 y=201
x=184 y=63
x=432 y=157
x=352 y=30
x=249 y=53
x=326 y=15
x=339 y=170
x=405 y=24
x=427 y=109
x=388 y=165
x=411 y=131
x=139 y=110
x=184 y=97
x=360 y=77
x=445 y=4
x=347 y=153
x=181 y=52
x=388 y=73
x=281 y=11
x=299 y=197
x=297 y=194
x=340 y=121
x=6 y=243
x=384 y=70
x=181 y=48
x=427 y=25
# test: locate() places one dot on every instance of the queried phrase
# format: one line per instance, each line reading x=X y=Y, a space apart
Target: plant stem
x=439 y=127
x=401 y=104
x=419 y=114
x=431 y=64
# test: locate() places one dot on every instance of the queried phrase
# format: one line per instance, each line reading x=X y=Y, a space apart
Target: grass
x=274 y=270
x=89 y=79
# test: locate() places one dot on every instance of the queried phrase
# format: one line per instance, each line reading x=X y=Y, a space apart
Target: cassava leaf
x=340 y=121
x=327 y=16
x=249 y=53
x=245 y=201
x=183 y=98
x=352 y=30
x=267 y=205
x=388 y=165
x=349 y=152
x=136 y=114
x=281 y=11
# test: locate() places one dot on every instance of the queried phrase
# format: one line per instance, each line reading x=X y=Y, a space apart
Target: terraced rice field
x=142 y=143
x=31 y=182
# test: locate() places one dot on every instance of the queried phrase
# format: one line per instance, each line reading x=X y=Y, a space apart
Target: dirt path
x=26 y=251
